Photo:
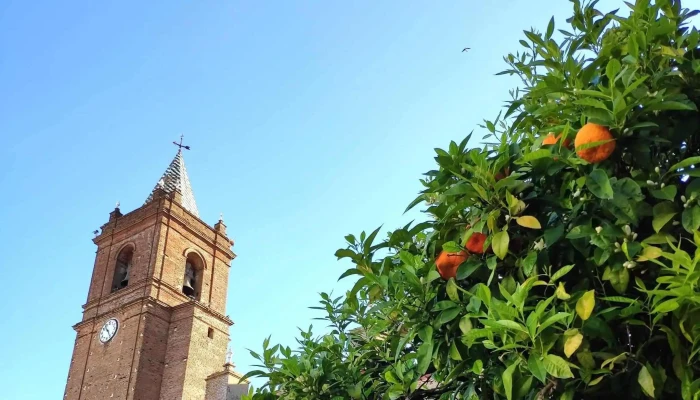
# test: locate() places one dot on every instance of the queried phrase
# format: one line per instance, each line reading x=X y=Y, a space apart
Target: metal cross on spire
x=180 y=145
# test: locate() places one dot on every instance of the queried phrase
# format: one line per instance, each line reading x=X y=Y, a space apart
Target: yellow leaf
x=451 y=289
x=572 y=344
x=561 y=292
x=646 y=382
x=596 y=381
x=528 y=221
x=584 y=305
x=650 y=253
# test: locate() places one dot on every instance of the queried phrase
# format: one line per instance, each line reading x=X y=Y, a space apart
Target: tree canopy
x=560 y=258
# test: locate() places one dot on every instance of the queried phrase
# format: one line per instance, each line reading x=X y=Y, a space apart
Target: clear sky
x=308 y=120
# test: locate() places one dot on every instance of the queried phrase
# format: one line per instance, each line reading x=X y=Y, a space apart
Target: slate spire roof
x=175 y=178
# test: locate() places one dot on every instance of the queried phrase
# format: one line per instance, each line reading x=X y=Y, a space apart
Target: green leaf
x=585 y=305
x=444 y=305
x=599 y=184
x=646 y=382
x=452 y=291
x=500 y=244
x=512 y=325
x=391 y=377
x=508 y=379
x=535 y=155
x=671 y=105
x=685 y=163
x=426 y=333
x=561 y=272
x=659 y=238
x=528 y=221
x=667 y=193
x=691 y=219
x=663 y=213
x=448 y=315
x=580 y=231
x=550 y=30
x=529 y=263
x=666 y=306
x=619 y=278
x=552 y=235
x=557 y=367
x=451 y=247
x=467 y=268
x=553 y=319
x=355 y=391
x=478 y=367
x=424 y=356
x=612 y=69
x=590 y=102
x=536 y=366
x=465 y=324
x=454 y=352
x=650 y=253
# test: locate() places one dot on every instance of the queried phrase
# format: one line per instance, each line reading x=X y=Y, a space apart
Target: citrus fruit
x=591 y=133
x=447 y=263
x=475 y=243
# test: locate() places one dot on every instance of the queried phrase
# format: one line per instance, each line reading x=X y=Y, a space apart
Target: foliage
x=590 y=284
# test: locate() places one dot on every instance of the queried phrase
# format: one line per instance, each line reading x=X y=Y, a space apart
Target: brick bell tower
x=154 y=325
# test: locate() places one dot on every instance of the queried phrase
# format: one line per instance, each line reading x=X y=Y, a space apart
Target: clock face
x=109 y=329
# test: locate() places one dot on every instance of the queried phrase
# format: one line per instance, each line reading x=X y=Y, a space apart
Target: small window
x=210 y=333
x=192 y=280
x=122 y=269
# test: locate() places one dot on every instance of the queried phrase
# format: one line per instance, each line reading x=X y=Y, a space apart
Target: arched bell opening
x=122 y=269
x=192 y=280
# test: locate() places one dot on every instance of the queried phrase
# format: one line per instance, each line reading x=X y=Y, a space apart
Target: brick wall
x=163 y=348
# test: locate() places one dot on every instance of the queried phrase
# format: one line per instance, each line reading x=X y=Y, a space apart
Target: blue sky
x=308 y=120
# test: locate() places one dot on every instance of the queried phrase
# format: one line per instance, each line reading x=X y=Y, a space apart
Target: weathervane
x=180 y=145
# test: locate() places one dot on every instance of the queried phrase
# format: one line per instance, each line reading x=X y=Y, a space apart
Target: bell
x=125 y=281
x=188 y=286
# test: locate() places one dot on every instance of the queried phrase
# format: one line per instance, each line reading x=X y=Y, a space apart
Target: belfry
x=154 y=324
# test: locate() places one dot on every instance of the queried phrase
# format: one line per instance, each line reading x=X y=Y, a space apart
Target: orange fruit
x=447 y=263
x=475 y=243
x=502 y=174
x=550 y=139
x=591 y=133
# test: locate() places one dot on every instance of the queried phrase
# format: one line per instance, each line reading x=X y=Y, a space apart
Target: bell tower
x=154 y=325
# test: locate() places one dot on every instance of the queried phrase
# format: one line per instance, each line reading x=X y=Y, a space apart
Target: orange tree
x=544 y=270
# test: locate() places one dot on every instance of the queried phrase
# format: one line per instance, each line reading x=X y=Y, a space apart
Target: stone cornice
x=229 y=370
x=155 y=283
x=205 y=308
x=223 y=245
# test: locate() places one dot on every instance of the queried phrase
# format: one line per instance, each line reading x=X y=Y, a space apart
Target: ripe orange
x=550 y=139
x=591 y=133
x=447 y=263
x=475 y=243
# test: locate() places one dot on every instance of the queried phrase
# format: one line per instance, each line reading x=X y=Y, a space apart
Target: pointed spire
x=175 y=178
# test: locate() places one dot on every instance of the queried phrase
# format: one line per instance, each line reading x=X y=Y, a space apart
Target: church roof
x=175 y=178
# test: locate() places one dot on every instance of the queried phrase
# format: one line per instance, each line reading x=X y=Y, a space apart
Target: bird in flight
x=466 y=49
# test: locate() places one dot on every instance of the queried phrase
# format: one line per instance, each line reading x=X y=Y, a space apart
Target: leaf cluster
x=589 y=282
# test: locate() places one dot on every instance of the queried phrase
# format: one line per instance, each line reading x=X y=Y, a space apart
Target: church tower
x=154 y=325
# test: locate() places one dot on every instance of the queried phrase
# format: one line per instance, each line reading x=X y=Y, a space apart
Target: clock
x=109 y=329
